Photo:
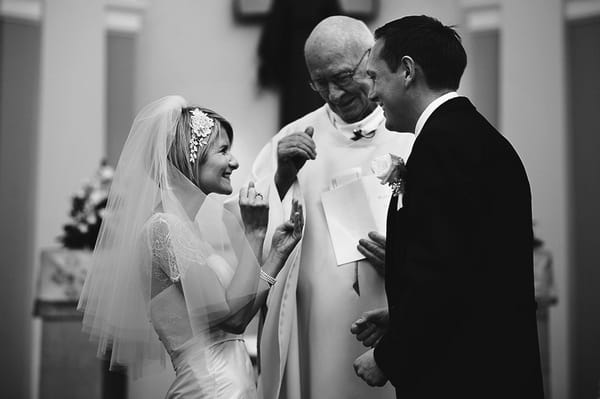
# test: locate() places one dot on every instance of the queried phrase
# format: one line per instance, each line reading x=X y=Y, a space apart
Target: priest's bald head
x=336 y=55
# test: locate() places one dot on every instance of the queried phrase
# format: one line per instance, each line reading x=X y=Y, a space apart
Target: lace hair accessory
x=201 y=125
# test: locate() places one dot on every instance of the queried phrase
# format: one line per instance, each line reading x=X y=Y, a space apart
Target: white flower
x=106 y=173
x=382 y=165
x=97 y=196
x=390 y=169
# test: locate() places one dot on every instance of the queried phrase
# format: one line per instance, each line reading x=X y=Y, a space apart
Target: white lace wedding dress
x=214 y=364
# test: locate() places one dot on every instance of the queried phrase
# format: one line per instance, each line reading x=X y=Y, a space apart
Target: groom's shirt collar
x=432 y=107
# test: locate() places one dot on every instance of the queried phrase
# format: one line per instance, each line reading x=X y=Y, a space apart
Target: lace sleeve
x=216 y=279
x=162 y=248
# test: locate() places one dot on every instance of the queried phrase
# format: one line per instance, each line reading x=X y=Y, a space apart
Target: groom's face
x=388 y=90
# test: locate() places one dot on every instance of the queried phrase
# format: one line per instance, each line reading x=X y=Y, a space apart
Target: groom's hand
x=373 y=248
x=366 y=368
x=371 y=326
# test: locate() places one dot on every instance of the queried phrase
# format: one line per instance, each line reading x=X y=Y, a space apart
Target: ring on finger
x=259 y=195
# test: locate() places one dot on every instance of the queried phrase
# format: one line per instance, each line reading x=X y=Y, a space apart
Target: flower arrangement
x=87 y=210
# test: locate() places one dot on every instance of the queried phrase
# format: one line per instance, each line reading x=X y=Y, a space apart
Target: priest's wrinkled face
x=340 y=79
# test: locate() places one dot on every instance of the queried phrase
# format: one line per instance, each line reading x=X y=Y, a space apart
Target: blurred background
x=74 y=73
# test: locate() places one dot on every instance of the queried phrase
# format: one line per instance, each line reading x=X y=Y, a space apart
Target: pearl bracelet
x=266 y=278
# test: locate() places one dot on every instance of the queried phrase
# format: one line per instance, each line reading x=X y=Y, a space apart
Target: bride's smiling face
x=214 y=173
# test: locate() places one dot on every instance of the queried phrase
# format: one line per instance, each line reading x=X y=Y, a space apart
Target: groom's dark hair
x=436 y=48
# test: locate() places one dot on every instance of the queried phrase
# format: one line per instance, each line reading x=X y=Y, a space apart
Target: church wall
x=198 y=50
x=19 y=84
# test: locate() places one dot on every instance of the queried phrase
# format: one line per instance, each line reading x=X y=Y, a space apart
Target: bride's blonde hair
x=179 y=153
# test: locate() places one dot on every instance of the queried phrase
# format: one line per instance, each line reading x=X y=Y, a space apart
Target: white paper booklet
x=352 y=210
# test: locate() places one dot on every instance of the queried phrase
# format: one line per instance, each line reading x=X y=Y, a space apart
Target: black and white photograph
x=300 y=199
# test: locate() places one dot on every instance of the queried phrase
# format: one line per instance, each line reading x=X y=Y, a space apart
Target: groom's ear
x=407 y=69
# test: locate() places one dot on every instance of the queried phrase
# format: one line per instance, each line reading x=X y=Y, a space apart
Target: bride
x=173 y=267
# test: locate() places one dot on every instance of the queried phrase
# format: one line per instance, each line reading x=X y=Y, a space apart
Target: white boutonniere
x=391 y=170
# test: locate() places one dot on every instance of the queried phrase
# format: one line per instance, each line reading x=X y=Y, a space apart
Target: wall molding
x=581 y=9
x=121 y=16
x=29 y=10
x=485 y=15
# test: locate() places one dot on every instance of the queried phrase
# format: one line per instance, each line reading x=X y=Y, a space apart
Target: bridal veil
x=116 y=297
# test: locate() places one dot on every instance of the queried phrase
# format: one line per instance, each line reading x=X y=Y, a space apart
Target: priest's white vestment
x=306 y=346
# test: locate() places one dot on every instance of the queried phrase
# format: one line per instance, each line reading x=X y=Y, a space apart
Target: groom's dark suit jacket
x=459 y=267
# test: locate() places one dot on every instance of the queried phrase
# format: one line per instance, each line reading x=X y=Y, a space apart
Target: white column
x=71 y=121
x=533 y=118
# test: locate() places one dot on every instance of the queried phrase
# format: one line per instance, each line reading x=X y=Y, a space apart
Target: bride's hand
x=288 y=234
x=254 y=210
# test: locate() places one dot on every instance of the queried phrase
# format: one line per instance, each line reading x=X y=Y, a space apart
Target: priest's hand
x=373 y=248
x=366 y=368
x=371 y=326
x=293 y=151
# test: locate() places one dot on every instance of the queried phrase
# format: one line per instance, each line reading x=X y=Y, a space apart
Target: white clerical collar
x=365 y=127
x=432 y=107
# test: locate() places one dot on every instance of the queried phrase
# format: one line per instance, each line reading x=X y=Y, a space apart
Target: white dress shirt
x=430 y=108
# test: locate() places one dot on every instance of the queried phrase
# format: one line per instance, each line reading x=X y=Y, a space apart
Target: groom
x=459 y=282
